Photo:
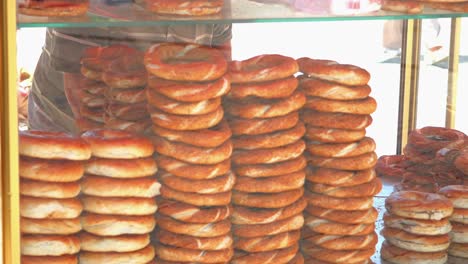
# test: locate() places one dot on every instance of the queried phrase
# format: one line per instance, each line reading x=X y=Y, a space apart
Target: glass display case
x=412 y=66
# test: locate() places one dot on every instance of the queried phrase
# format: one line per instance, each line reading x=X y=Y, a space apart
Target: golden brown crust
x=342 y=242
x=336 y=256
x=122 y=168
x=270 y=140
x=265 y=108
x=323 y=226
x=458 y=250
x=257 y=126
x=114 y=225
x=113 y=187
x=123 y=243
x=333 y=71
x=362 y=190
x=92 y=100
x=267 y=243
x=144 y=255
x=185 y=8
x=63 y=259
x=459 y=232
x=407 y=6
x=268 y=257
x=50 y=170
x=190 y=91
x=332 y=90
x=85 y=124
x=118 y=205
x=91 y=74
x=198 y=199
x=52 y=145
x=262 y=68
x=267 y=200
x=208 y=138
x=192 y=154
x=194 y=255
x=192 y=171
x=49 y=245
x=127 y=112
x=458 y=194
x=257 y=230
x=418 y=226
x=191 y=242
x=95 y=114
x=125 y=72
x=435 y=138
x=185 y=62
x=419 y=205
x=53 y=8
x=43 y=189
x=269 y=155
x=337 y=177
x=333 y=135
x=115 y=144
x=364 y=106
x=336 y=120
x=399 y=255
x=193 y=214
x=175 y=107
x=459 y=215
x=50 y=226
x=138 y=127
x=275 y=169
x=272 y=184
x=339 y=150
x=367 y=216
x=347 y=204
x=186 y=122
x=456 y=7
x=126 y=96
x=216 y=185
x=280 y=88
x=45 y=208
x=361 y=162
x=298 y=259
x=419 y=243
x=193 y=229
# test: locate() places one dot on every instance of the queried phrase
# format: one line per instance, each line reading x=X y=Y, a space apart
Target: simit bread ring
x=50 y=226
x=92 y=100
x=181 y=254
x=459 y=232
x=267 y=243
x=274 y=184
x=268 y=200
x=190 y=91
x=145 y=255
x=84 y=124
x=333 y=71
x=336 y=120
x=268 y=257
x=275 y=169
x=364 y=106
x=419 y=205
x=192 y=154
x=51 y=245
x=192 y=171
x=270 y=90
x=98 y=58
x=115 y=144
x=95 y=114
x=347 y=204
x=91 y=74
x=298 y=259
x=53 y=9
x=43 y=189
x=185 y=62
x=410 y=7
x=338 y=150
x=114 y=187
x=123 y=243
x=392 y=165
x=458 y=194
x=256 y=126
x=418 y=243
x=361 y=162
x=366 y=189
x=122 y=168
x=417 y=226
x=193 y=214
x=127 y=112
x=134 y=127
x=186 y=122
x=192 y=229
x=115 y=225
x=52 y=145
x=208 y=138
x=333 y=135
x=172 y=106
x=190 y=242
x=269 y=155
x=331 y=90
x=460 y=215
x=262 y=68
x=50 y=170
x=336 y=256
x=46 y=208
x=219 y=184
x=323 y=226
x=184 y=7
x=119 y=206
x=265 y=108
x=402 y=256
x=126 y=96
x=346 y=242
x=366 y=216
x=211 y=199
x=339 y=177
x=259 y=230
x=63 y=259
x=271 y=140
x=125 y=72
x=248 y=215
x=434 y=138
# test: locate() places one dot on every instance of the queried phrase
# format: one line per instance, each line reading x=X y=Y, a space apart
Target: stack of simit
x=193 y=148
x=119 y=192
x=341 y=181
x=263 y=107
x=51 y=164
x=416 y=228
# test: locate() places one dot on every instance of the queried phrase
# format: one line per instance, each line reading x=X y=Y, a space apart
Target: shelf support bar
x=409 y=80
x=451 y=108
x=9 y=135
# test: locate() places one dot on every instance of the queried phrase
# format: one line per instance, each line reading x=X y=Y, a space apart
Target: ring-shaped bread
x=53 y=8
x=145 y=187
x=175 y=107
x=193 y=214
x=184 y=7
x=219 y=184
x=186 y=122
x=191 y=242
x=333 y=91
x=49 y=245
x=257 y=126
x=274 y=169
x=269 y=90
x=333 y=135
x=192 y=171
x=336 y=120
x=419 y=205
x=364 y=106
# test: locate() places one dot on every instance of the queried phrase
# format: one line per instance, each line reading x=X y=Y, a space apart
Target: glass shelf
x=101 y=14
